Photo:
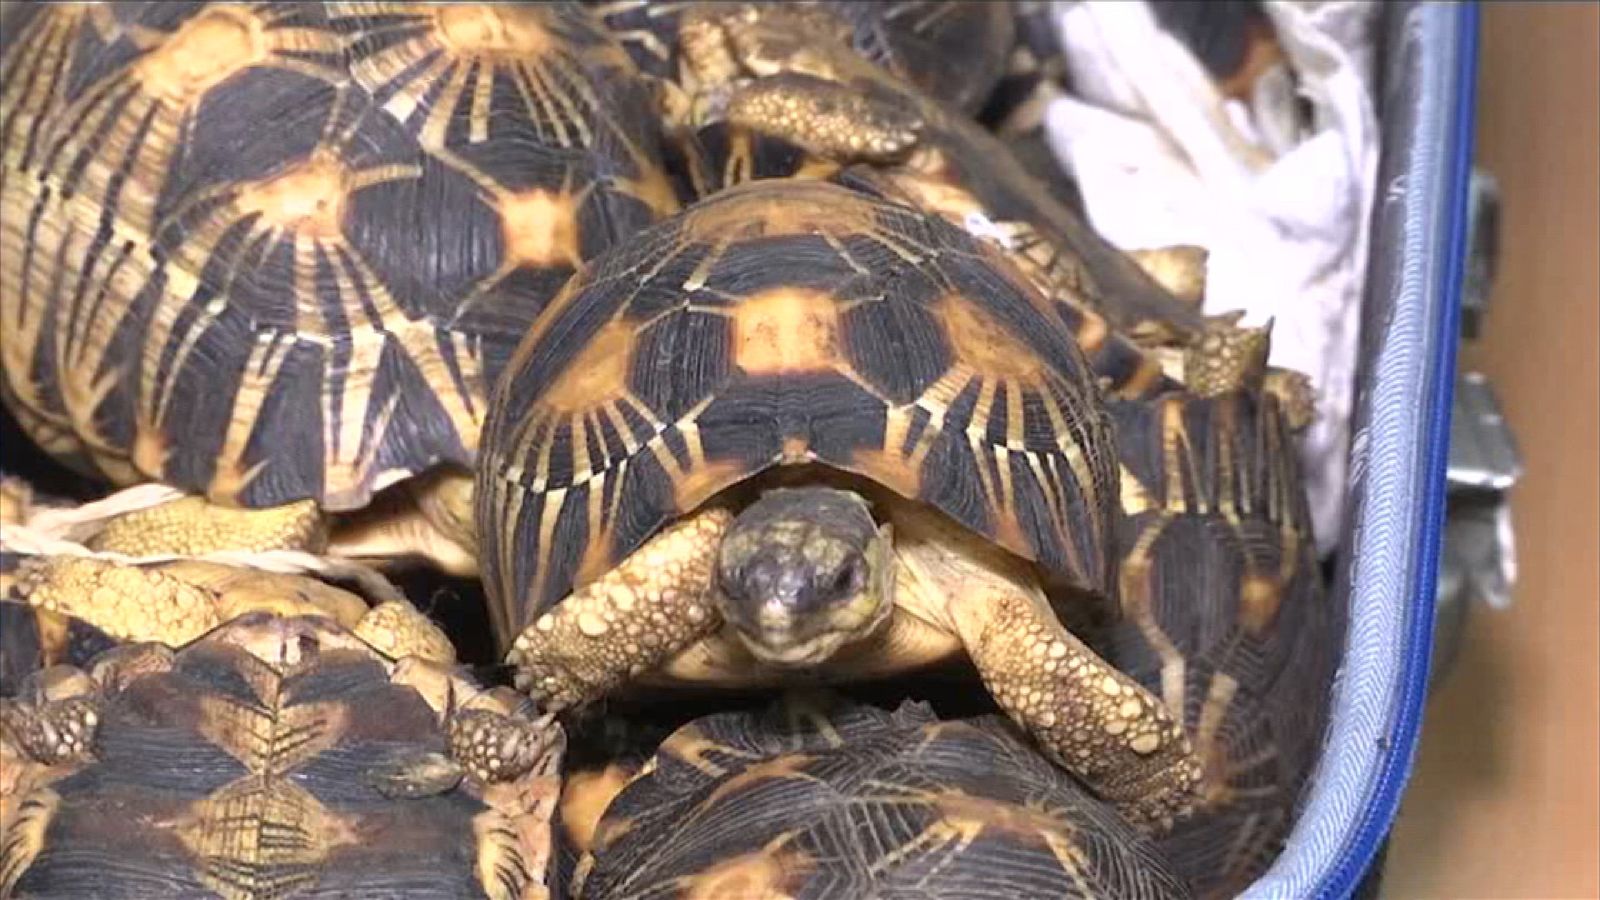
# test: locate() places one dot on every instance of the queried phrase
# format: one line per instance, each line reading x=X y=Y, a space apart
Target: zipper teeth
x=1378 y=815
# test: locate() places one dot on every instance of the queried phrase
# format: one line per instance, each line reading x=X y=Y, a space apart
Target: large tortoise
x=276 y=756
x=816 y=800
x=276 y=253
x=1225 y=616
x=795 y=431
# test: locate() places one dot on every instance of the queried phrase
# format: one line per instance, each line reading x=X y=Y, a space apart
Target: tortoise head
x=803 y=572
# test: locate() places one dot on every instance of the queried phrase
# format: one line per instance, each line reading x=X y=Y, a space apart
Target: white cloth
x=1283 y=206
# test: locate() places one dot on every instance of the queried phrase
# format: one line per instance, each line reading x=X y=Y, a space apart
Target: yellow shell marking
x=202 y=53
x=597 y=374
x=762 y=875
x=470 y=28
x=786 y=330
x=541 y=228
x=309 y=198
x=985 y=345
x=800 y=207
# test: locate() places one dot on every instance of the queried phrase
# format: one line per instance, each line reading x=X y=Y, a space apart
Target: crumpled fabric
x=1282 y=200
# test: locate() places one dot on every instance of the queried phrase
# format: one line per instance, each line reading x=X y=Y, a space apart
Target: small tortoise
x=805 y=801
x=771 y=72
x=277 y=756
x=953 y=49
x=798 y=432
x=1225 y=616
x=276 y=253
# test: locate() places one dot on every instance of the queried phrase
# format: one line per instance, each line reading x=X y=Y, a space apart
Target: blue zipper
x=1378 y=817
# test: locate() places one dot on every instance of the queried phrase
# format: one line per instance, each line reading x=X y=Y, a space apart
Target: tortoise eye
x=849 y=578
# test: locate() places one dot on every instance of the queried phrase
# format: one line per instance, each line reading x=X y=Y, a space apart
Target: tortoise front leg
x=832 y=120
x=1089 y=717
x=1093 y=720
x=634 y=618
x=787 y=72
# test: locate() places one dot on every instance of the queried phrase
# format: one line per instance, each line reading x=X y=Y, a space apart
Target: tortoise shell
x=722 y=157
x=861 y=802
x=781 y=323
x=275 y=758
x=1225 y=616
x=277 y=251
x=952 y=49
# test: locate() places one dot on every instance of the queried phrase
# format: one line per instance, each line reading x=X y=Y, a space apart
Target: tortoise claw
x=1296 y=396
x=52 y=732
x=495 y=747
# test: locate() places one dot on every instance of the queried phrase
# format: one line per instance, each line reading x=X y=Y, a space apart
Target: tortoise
x=276 y=756
x=313 y=231
x=798 y=432
x=1225 y=616
x=953 y=49
x=773 y=72
x=820 y=800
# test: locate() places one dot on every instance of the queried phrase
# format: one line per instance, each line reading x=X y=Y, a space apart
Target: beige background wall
x=1504 y=800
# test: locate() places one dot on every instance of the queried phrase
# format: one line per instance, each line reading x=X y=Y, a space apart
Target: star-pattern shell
x=787 y=322
x=276 y=251
x=294 y=762
x=915 y=39
x=859 y=802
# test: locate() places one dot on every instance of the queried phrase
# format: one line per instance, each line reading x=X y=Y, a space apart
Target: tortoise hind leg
x=802 y=90
x=174 y=603
x=194 y=526
x=826 y=118
x=1090 y=718
x=634 y=618
x=428 y=517
x=1228 y=357
x=54 y=720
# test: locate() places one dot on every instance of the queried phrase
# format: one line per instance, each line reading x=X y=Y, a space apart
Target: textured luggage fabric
x=1392 y=527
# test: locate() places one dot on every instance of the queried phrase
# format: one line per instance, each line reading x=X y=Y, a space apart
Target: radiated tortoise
x=841 y=800
x=1225 y=616
x=795 y=432
x=276 y=756
x=276 y=253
